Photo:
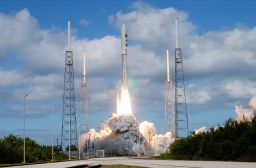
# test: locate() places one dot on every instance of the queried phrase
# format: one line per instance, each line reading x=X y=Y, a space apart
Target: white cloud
x=153 y=27
x=240 y=88
x=9 y=77
x=221 y=53
x=197 y=95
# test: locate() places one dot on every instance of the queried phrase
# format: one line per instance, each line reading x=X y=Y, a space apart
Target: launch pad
x=121 y=134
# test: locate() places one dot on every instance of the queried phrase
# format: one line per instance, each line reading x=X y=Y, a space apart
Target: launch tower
x=180 y=123
x=69 y=124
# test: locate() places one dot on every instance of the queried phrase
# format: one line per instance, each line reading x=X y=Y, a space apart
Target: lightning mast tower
x=69 y=125
x=84 y=111
x=169 y=105
x=181 y=115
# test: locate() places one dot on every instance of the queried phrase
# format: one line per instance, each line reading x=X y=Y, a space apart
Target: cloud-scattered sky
x=219 y=64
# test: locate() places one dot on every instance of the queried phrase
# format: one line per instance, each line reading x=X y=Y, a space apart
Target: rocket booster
x=124 y=45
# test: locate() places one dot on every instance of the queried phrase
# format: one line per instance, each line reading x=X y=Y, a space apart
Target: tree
x=233 y=141
x=11 y=151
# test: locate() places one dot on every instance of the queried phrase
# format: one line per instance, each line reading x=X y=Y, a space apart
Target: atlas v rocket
x=124 y=44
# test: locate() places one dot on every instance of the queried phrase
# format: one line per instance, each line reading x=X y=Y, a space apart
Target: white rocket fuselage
x=124 y=44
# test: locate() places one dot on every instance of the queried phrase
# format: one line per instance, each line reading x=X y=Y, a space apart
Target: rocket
x=124 y=44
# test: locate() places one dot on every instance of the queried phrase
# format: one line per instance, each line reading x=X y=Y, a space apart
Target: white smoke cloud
x=252 y=103
x=160 y=143
x=124 y=136
x=200 y=130
x=246 y=114
x=243 y=114
x=156 y=143
x=91 y=135
x=119 y=134
x=148 y=130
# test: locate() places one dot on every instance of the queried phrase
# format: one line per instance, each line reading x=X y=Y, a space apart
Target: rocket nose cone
x=123 y=37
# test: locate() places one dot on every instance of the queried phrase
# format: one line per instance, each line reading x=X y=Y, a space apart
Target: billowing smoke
x=148 y=130
x=119 y=134
x=161 y=142
x=156 y=143
x=246 y=114
x=122 y=135
x=200 y=130
x=243 y=114
x=92 y=135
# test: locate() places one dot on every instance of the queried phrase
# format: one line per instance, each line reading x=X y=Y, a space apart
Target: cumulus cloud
x=152 y=26
x=197 y=95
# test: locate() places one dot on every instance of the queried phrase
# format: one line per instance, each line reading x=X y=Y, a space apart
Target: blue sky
x=217 y=39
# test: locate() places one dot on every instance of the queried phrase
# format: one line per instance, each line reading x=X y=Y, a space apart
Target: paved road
x=147 y=163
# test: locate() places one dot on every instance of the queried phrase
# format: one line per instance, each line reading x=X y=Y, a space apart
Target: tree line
x=11 y=151
x=234 y=141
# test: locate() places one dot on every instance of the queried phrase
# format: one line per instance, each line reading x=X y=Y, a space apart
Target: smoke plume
x=122 y=135
x=246 y=114
x=243 y=114
x=161 y=143
x=200 y=130
x=119 y=135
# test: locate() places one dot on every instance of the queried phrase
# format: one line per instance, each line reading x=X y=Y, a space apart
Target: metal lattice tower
x=181 y=115
x=69 y=124
x=84 y=101
x=169 y=116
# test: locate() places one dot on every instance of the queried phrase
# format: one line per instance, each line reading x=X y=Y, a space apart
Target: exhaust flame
x=124 y=103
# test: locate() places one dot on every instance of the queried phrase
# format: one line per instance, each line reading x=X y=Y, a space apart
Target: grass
x=32 y=163
x=7 y=165
x=121 y=166
x=20 y=164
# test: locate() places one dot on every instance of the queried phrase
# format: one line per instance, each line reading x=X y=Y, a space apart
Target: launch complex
x=121 y=134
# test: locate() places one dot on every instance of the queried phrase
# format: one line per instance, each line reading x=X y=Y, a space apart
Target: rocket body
x=124 y=45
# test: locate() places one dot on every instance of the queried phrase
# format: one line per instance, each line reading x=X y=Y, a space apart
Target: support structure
x=181 y=116
x=169 y=116
x=84 y=100
x=69 y=123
